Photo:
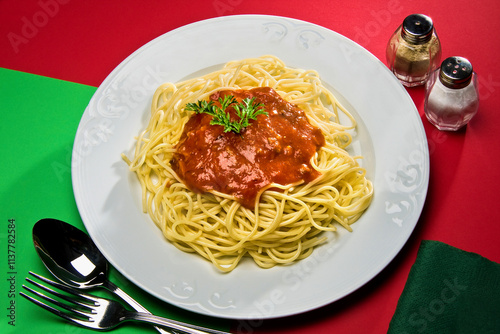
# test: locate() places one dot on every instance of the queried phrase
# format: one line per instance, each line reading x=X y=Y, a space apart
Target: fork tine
x=59 y=295
x=49 y=308
x=80 y=313
x=62 y=287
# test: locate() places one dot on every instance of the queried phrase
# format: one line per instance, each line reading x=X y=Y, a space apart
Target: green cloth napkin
x=449 y=291
x=39 y=117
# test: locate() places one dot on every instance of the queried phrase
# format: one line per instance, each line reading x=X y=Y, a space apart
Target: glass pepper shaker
x=452 y=97
x=414 y=50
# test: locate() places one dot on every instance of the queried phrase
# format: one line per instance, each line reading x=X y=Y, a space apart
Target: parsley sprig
x=246 y=110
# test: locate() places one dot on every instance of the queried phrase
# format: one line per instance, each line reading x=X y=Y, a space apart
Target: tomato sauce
x=274 y=148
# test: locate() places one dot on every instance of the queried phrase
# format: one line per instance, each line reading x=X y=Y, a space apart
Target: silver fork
x=99 y=313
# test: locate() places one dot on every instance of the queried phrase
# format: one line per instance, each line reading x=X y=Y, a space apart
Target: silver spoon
x=73 y=258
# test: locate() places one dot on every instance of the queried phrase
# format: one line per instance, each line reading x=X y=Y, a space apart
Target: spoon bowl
x=69 y=254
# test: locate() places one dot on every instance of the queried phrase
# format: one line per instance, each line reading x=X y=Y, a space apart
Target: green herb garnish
x=246 y=110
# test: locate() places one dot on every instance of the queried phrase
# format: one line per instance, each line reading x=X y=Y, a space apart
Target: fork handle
x=184 y=327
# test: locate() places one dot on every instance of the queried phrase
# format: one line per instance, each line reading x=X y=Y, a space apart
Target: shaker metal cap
x=455 y=72
x=417 y=28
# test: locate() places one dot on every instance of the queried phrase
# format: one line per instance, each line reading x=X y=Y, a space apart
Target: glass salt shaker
x=414 y=50
x=452 y=97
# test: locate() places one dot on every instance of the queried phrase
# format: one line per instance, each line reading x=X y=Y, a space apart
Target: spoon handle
x=129 y=300
x=153 y=319
x=139 y=308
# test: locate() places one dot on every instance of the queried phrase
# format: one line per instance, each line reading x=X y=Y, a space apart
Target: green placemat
x=449 y=291
x=39 y=117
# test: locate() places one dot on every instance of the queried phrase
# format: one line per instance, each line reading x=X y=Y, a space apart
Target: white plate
x=390 y=136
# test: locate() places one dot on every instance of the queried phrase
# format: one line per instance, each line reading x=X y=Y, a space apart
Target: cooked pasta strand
x=287 y=221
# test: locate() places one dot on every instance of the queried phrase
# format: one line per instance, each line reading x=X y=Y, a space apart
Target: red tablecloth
x=83 y=41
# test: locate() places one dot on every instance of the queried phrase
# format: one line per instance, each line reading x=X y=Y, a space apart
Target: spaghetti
x=287 y=220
